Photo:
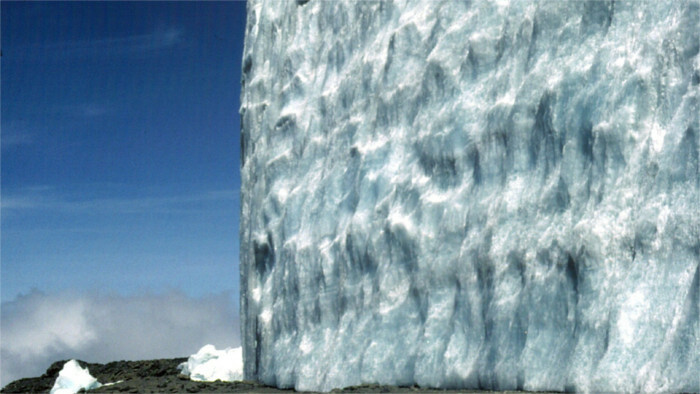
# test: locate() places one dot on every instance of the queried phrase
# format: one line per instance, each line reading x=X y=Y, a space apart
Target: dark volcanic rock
x=162 y=376
x=41 y=384
x=145 y=376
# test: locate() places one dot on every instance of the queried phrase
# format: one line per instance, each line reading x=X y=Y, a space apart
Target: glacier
x=471 y=194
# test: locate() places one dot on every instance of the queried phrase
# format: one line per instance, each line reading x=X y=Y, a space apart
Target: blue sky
x=120 y=146
x=120 y=150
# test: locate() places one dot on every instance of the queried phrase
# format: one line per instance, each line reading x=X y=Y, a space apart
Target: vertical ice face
x=484 y=194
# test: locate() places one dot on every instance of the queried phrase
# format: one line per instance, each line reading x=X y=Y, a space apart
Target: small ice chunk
x=73 y=378
x=210 y=365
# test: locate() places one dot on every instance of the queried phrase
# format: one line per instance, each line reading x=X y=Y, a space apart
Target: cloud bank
x=37 y=329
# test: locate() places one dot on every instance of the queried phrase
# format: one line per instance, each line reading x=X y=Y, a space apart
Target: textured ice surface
x=491 y=194
x=210 y=365
x=73 y=378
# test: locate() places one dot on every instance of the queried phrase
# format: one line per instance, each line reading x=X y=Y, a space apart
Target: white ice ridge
x=73 y=378
x=210 y=365
x=472 y=194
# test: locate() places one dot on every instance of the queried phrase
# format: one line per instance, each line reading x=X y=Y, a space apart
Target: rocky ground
x=148 y=376
x=162 y=376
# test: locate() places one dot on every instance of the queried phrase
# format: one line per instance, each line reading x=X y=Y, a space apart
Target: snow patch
x=209 y=365
x=73 y=378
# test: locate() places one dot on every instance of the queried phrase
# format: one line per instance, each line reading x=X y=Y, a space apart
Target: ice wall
x=475 y=194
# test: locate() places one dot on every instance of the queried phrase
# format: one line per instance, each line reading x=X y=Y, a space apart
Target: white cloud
x=38 y=329
x=47 y=198
x=83 y=110
x=15 y=133
x=12 y=140
x=162 y=38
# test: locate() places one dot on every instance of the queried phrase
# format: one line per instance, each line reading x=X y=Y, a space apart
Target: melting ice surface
x=485 y=194
x=210 y=365
x=72 y=378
